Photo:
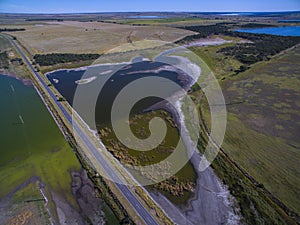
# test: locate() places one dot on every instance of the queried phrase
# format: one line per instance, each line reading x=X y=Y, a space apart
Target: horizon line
x=54 y=13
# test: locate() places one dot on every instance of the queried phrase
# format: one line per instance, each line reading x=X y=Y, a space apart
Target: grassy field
x=263 y=128
x=221 y=65
x=89 y=37
x=270 y=114
x=4 y=44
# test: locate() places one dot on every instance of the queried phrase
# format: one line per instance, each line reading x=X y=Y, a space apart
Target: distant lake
x=289 y=21
x=147 y=17
x=282 y=31
x=236 y=14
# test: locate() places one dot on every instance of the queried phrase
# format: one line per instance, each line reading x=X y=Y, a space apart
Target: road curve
x=127 y=193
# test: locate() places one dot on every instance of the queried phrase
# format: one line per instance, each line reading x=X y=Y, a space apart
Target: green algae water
x=26 y=126
x=31 y=143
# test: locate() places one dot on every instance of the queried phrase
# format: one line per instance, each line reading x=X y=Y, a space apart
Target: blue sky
x=70 y=6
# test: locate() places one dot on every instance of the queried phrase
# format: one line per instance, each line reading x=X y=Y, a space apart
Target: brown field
x=170 y=21
x=89 y=37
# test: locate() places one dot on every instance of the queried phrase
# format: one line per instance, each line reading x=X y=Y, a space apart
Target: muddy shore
x=90 y=206
x=211 y=203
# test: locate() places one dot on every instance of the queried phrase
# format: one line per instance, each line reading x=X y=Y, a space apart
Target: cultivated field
x=89 y=37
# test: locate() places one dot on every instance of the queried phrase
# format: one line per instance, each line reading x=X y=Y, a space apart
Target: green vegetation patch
x=262 y=130
x=203 y=31
x=254 y=48
x=261 y=47
x=247 y=155
x=10 y=61
x=255 y=207
x=4 y=62
x=262 y=135
x=179 y=187
x=270 y=93
x=221 y=65
x=27 y=206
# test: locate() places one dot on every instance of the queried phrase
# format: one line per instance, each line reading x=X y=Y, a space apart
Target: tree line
x=11 y=29
x=56 y=58
x=203 y=31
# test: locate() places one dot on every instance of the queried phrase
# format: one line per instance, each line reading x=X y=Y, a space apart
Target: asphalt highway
x=125 y=190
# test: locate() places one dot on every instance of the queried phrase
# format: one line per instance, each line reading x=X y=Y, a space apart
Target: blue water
x=282 y=31
x=289 y=21
x=236 y=14
x=147 y=17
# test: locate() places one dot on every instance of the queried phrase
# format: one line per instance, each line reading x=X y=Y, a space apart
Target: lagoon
x=68 y=80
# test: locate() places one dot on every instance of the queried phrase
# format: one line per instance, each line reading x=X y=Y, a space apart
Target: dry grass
x=170 y=21
x=90 y=37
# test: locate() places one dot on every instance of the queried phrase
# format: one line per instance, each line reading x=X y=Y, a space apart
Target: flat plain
x=89 y=37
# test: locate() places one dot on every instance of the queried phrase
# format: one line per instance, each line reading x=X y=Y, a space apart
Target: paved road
x=132 y=199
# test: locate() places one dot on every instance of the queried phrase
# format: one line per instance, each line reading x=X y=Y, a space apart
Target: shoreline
x=25 y=81
x=82 y=68
x=210 y=194
x=207 y=203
